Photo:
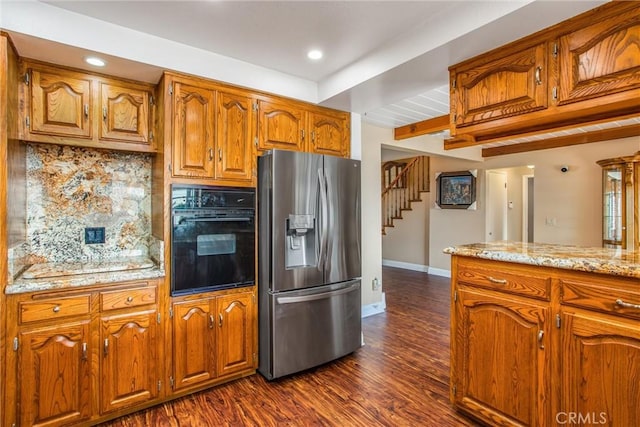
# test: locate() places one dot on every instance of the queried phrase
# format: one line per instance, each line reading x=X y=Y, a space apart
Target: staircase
x=404 y=183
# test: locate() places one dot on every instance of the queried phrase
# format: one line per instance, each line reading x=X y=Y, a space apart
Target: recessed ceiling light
x=95 y=61
x=531 y=166
x=314 y=54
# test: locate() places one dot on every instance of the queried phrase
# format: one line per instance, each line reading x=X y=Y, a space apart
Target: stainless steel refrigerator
x=309 y=260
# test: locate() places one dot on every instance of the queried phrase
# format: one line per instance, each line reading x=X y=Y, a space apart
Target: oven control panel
x=189 y=197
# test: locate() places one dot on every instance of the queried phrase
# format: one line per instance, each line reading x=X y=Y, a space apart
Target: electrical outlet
x=375 y=284
x=93 y=235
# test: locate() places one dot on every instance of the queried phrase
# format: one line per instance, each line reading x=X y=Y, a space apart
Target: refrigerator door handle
x=324 y=210
x=330 y=217
x=314 y=297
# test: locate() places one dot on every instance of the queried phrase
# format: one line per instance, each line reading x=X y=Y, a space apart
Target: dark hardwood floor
x=399 y=378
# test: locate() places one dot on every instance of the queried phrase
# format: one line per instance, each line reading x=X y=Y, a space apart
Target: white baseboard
x=439 y=272
x=375 y=308
x=417 y=267
x=405 y=265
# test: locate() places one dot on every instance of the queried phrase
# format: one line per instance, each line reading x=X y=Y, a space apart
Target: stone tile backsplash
x=70 y=188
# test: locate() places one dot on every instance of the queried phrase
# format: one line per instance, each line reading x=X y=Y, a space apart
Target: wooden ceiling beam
x=565 y=141
x=436 y=124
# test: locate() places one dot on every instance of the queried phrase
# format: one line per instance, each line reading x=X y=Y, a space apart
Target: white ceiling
x=386 y=60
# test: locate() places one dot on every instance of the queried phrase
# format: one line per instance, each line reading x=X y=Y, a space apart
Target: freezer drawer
x=310 y=327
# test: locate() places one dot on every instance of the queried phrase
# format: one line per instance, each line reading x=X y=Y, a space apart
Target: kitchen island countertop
x=615 y=262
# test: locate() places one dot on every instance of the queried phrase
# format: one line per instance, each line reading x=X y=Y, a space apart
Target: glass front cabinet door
x=620 y=202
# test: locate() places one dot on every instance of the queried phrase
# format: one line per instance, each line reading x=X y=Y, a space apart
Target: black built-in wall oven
x=212 y=238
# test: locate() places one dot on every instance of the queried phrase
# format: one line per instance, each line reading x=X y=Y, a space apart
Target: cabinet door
x=60 y=105
x=54 y=375
x=600 y=59
x=601 y=369
x=329 y=134
x=503 y=87
x=501 y=368
x=280 y=125
x=130 y=368
x=125 y=113
x=193 y=343
x=236 y=324
x=193 y=131
x=235 y=139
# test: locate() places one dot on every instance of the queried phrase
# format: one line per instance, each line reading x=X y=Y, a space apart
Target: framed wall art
x=456 y=190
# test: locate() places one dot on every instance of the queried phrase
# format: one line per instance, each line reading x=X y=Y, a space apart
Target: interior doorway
x=496 y=203
x=527 y=208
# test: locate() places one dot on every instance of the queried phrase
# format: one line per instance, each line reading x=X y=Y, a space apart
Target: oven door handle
x=226 y=219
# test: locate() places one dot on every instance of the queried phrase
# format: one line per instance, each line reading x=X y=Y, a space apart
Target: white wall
x=372 y=137
x=408 y=240
x=573 y=199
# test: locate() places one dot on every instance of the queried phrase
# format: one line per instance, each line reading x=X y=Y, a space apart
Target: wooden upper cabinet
x=61 y=105
x=281 y=125
x=54 y=373
x=600 y=59
x=601 y=366
x=234 y=145
x=501 y=87
x=125 y=113
x=581 y=70
x=193 y=131
x=236 y=324
x=130 y=367
x=329 y=133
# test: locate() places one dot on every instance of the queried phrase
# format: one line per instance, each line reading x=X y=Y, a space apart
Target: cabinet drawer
x=612 y=297
x=49 y=309
x=114 y=300
x=507 y=278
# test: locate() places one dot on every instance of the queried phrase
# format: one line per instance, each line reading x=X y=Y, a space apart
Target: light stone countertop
x=615 y=262
x=50 y=276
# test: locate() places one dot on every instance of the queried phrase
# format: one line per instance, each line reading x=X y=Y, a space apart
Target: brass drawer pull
x=129 y=299
x=498 y=281
x=538 y=75
x=210 y=321
x=623 y=304
x=84 y=351
x=540 y=336
x=56 y=309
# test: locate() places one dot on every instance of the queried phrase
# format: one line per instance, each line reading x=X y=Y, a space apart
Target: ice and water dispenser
x=301 y=250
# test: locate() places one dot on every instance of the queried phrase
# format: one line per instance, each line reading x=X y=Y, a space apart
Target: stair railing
x=405 y=189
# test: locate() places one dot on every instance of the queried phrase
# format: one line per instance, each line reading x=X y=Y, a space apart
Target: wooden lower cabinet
x=601 y=369
x=236 y=351
x=567 y=354
x=130 y=368
x=213 y=337
x=54 y=374
x=193 y=343
x=85 y=356
x=501 y=363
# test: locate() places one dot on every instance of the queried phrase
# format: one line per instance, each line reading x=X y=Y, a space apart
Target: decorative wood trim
x=460 y=141
x=424 y=127
x=564 y=141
